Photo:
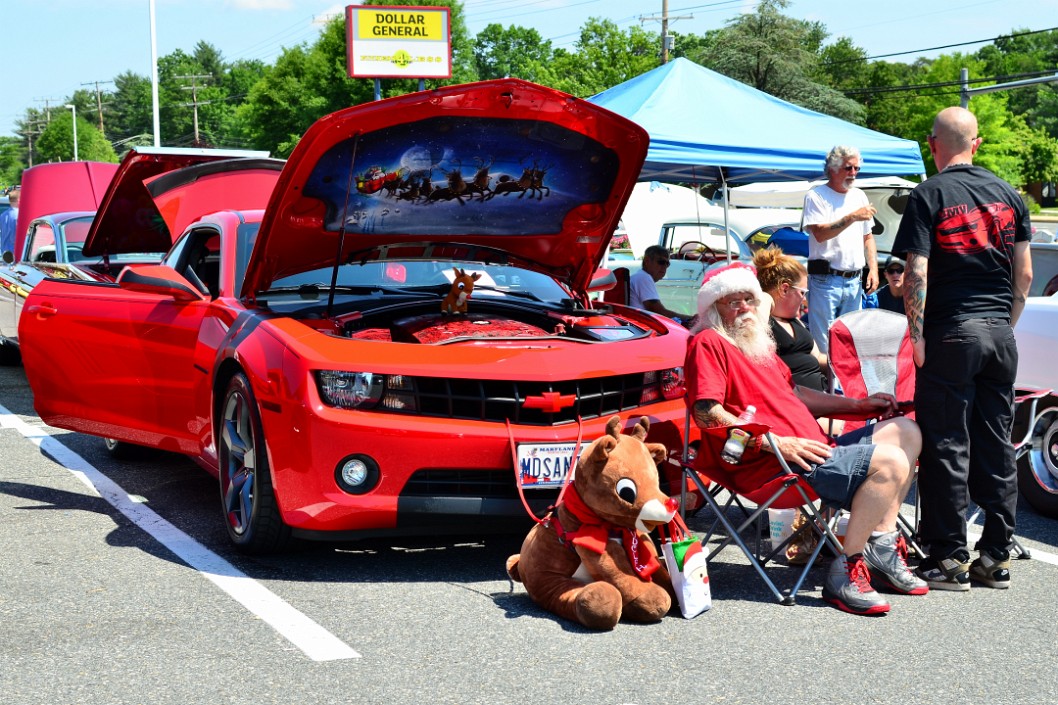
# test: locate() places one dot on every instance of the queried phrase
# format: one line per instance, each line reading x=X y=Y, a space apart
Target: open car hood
x=503 y=164
x=58 y=188
x=137 y=215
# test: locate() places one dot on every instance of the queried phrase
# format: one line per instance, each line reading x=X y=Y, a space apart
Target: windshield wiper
x=517 y=294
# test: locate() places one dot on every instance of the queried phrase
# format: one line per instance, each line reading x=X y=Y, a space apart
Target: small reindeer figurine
x=462 y=286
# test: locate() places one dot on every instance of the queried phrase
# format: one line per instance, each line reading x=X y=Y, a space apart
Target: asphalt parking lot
x=117 y=585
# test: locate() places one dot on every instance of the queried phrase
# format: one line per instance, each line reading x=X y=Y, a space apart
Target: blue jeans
x=829 y=296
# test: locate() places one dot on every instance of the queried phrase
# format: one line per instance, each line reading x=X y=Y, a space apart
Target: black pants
x=964 y=400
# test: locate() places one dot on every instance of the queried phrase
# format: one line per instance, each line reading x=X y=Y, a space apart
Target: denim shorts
x=837 y=479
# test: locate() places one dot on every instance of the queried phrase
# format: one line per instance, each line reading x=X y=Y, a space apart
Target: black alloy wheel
x=251 y=512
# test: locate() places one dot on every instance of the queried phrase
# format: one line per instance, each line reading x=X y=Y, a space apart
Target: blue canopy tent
x=704 y=126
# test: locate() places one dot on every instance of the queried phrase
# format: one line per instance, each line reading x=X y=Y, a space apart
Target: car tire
x=251 y=513
x=1038 y=465
x=9 y=353
x=120 y=450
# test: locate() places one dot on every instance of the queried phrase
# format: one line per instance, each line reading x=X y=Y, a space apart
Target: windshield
x=677 y=236
x=417 y=276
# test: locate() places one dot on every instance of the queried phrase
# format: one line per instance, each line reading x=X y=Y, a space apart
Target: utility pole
x=29 y=134
x=47 y=107
x=194 y=95
x=666 y=40
x=99 y=101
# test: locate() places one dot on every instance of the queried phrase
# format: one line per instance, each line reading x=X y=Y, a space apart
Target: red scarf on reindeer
x=594 y=532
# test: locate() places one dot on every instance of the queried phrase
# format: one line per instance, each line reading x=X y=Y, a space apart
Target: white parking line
x=313 y=640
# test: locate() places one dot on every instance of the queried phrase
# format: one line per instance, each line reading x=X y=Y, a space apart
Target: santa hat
x=724 y=281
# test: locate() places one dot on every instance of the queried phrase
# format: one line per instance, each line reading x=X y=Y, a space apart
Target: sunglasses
x=851 y=167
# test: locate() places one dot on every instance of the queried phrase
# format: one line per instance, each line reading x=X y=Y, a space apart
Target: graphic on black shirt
x=967 y=231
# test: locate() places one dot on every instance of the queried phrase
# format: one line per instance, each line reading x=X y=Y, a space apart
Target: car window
x=759 y=237
x=42 y=243
x=677 y=237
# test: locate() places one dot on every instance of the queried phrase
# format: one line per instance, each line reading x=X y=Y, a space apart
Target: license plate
x=545 y=464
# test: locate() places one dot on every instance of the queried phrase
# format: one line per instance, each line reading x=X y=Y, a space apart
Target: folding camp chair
x=618 y=294
x=870 y=351
x=767 y=490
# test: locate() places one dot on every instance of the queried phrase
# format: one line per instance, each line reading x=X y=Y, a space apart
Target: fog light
x=356 y=474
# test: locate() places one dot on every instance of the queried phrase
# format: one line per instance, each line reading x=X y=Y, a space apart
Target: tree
x=56 y=142
x=514 y=51
x=778 y=55
x=130 y=113
x=10 y=161
x=1016 y=55
x=605 y=56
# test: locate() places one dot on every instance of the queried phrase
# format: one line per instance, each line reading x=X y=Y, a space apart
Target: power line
x=945 y=84
x=945 y=46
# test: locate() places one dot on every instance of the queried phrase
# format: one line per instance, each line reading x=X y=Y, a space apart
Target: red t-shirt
x=716 y=369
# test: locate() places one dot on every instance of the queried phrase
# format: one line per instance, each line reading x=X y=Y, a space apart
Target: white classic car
x=1037 y=336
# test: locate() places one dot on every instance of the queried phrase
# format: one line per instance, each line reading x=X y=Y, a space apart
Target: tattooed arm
x=915 y=302
x=709 y=413
x=800 y=451
x=1022 y=279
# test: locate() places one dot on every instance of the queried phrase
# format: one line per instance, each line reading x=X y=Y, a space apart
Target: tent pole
x=727 y=228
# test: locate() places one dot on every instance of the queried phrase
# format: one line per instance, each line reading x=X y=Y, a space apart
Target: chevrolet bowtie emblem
x=550 y=402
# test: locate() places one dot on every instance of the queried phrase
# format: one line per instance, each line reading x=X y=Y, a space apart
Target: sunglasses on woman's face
x=895 y=270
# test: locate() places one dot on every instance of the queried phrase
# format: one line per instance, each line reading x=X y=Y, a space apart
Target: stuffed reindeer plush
x=462 y=286
x=591 y=560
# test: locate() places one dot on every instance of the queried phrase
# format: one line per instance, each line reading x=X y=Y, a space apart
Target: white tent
x=653 y=203
x=791 y=194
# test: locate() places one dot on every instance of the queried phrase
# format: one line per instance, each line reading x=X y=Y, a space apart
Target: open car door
x=112 y=361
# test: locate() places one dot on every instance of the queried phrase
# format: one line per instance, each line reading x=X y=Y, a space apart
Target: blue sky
x=53 y=47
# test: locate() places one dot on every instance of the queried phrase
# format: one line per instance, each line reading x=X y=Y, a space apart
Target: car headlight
x=350 y=390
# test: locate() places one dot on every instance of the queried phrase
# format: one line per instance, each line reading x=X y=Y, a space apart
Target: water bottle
x=737 y=440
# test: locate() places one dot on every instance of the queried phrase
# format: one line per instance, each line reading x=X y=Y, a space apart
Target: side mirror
x=602 y=280
x=158 y=279
x=9 y=256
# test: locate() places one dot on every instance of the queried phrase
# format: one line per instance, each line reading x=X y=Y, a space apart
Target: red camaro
x=301 y=354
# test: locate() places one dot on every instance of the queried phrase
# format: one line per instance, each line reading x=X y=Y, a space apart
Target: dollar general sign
x=398 y=42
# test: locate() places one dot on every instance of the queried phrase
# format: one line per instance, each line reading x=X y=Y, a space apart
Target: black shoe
x=951 y=573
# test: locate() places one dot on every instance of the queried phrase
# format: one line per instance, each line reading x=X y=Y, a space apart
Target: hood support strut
x=341 y=230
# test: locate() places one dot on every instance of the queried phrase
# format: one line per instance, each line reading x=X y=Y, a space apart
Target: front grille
x=499 y=401
x=447 y=498
x=461 y=483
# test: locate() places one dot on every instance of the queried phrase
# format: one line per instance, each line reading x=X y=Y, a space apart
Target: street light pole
x=154 y=79
x=73 y=108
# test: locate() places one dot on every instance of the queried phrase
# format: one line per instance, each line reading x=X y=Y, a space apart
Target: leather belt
x=821 y=266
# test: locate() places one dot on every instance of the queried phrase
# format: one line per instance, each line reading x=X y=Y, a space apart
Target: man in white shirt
x=838 y=218
x=642 y=291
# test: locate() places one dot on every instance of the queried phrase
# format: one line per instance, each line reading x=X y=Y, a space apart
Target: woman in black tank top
x=786 y=281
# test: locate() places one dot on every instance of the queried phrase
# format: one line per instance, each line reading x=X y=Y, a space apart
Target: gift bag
x=685 y=559
x=805 y=539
